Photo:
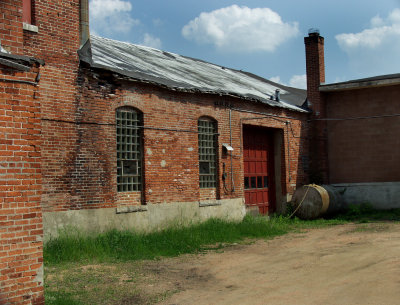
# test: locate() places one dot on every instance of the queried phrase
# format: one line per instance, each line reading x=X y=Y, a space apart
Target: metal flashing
x=22 y=59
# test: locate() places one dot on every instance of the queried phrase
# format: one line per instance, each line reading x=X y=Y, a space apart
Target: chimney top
x=313 y=32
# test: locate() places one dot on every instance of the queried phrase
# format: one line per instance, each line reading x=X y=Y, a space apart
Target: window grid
x=207 y=153
x=129 y=150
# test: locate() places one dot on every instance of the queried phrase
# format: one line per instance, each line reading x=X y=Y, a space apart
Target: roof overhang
x=18 y=62
x=378 y=81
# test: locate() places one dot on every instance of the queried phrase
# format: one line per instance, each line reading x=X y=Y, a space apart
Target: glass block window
x=207 y=129
x=129 y=149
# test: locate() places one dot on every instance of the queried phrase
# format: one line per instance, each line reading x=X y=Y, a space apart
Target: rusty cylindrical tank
x=313 y=201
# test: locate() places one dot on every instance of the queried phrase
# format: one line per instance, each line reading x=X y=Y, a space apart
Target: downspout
x=288 y=147
x=230 y=143
x=84 y=32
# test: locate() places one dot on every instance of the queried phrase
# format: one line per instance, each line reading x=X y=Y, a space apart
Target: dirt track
x=350 y=264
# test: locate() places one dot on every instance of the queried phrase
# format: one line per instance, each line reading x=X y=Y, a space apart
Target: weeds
x=74 y=275
x=59 y=298
x=130 y=245
x=364 y=213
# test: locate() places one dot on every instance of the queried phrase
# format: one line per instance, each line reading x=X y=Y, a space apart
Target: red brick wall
x=11 y=36
x=21 y=230
x=364 y=150
x=80 y=155
x=22 y=108
x=56 y=43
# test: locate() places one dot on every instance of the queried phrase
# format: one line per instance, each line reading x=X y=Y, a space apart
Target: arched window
x=207 y=129
x=129 y=124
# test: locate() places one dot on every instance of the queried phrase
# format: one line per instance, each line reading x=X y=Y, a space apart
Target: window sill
x=30 y=27
x=209 y=203
x=131 y=209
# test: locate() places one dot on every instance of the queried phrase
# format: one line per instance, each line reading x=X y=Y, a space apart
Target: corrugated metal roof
x=185 y=74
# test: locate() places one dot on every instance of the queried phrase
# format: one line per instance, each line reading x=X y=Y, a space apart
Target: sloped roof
x=186 y=74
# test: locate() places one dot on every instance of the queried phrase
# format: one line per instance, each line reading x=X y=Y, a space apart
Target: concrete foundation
x=145 y=218
x=381 y=195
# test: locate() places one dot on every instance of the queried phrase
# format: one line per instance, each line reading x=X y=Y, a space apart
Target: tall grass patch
x=72 y=245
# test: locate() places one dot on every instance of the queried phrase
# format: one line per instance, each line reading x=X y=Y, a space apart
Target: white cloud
x=151 y=41
x=275 y=79
x=380 y=32
x=240 y=29
x=111 y=16
x=298 y=81
x=158 y=22
x=374 y=50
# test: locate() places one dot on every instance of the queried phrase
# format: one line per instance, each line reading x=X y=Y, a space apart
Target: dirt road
x=349 y=264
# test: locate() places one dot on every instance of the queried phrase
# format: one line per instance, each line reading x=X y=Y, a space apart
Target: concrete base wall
x=381 y=195
x=147 y=218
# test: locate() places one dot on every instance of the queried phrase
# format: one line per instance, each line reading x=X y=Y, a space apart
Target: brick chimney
x=315 y=67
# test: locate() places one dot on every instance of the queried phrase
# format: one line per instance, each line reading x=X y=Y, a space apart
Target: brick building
x=354 y=135
x=153 y=131
x=103 y=139
x=100 y=134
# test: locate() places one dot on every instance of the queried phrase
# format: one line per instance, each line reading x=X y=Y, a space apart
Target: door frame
x=278 y=190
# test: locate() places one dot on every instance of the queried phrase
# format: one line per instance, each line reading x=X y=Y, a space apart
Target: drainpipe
x=84 y=33
x=230 y=143
x=288 y=148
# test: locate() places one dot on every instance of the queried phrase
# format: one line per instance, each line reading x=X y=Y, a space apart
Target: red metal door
x=258 y=157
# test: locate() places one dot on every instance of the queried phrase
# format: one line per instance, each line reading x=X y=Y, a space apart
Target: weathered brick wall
x=11 y=33
x=21 y=230
x=56 y=42
x=80 y=154
x=364 y=150
x=24 y=112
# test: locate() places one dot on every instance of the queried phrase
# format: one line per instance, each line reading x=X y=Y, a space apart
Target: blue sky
x=362 y=37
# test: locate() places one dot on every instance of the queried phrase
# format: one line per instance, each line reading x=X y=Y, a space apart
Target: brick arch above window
x=208 y=117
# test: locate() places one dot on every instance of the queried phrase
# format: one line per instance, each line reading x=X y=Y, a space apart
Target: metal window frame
x=129 y=145
x=208 y=148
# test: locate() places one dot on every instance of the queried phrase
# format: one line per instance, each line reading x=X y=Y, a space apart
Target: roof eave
x=359 y=84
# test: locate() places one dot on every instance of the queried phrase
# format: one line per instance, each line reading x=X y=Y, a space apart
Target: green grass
x=364 y=213
x=59 y=298
x=72 y=246
x=81 y=267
